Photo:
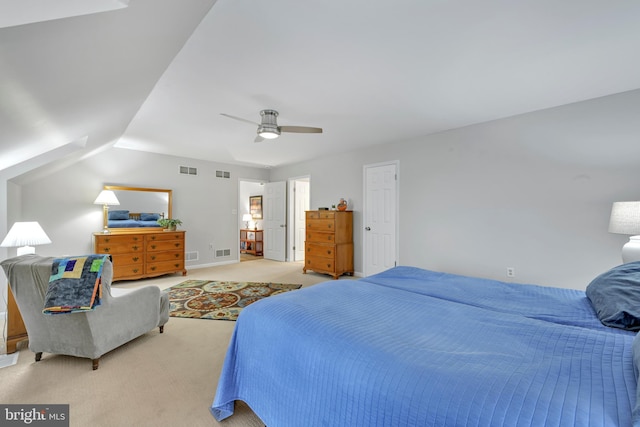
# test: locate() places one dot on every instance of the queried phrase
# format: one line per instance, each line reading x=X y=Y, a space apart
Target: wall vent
x=223 y=253
x=192 y=256
x=186 y=170
x=223 y=174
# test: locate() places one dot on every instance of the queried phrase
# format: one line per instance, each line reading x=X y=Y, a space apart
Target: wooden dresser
x=140 y=254
x=329 y=242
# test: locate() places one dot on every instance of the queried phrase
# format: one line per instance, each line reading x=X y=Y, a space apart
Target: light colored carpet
x=165 y=379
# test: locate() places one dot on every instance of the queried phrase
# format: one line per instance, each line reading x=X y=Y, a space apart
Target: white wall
x=63 y=201
x=533 y=192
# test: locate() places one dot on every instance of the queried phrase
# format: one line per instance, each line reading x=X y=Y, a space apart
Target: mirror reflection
x=138 y=200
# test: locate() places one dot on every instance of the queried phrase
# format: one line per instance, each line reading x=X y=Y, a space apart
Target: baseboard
x=212 y=264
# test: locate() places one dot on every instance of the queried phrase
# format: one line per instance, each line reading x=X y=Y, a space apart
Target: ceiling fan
x=268 y=127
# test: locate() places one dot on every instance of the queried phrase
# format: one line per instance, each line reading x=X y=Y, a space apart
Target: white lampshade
x=25 y=235
x=106 y=197
x=625 y=219
x=247 y=217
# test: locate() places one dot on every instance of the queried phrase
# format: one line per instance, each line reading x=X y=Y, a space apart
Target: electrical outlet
x=511 y=272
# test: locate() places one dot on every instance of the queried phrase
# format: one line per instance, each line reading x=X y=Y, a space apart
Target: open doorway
x=250 y=220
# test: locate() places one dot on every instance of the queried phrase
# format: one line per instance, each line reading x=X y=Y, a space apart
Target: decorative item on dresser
x=144 y=253
x=329 y=242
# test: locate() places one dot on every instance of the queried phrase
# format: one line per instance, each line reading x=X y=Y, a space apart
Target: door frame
x=291 y=205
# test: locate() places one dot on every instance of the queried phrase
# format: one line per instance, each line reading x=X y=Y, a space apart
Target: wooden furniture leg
x=16 y=331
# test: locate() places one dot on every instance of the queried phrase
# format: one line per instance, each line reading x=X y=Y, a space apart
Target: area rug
x=219 y=300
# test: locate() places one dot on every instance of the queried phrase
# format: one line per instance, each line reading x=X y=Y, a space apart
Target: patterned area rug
x=210 y=299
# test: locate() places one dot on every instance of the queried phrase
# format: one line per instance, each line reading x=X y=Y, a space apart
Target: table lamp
x=246 y=218
x=106 y=198
x=24 y=236
x=625 y=219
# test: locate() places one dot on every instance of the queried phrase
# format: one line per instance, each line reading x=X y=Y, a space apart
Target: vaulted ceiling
x=155 y=75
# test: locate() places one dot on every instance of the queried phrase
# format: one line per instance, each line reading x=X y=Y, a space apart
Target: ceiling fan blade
x=240 y=118
x=258 y=139
x=300 y=129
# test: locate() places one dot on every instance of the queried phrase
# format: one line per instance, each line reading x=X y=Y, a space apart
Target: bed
x=125 y=219
x=413 y=347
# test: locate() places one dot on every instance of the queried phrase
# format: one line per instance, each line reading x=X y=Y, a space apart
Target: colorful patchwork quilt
x=75 y=284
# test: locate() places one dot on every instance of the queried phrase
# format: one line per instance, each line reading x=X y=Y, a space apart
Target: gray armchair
x=89 y=334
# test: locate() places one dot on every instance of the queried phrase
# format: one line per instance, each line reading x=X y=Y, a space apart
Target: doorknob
x=368 y=228
x=283 y=225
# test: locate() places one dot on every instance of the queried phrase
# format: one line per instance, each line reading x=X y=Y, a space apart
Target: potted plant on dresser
x=170 y=224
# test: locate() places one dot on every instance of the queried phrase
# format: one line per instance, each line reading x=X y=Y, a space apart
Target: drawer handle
x=177 y=265
x=135 y=248
x=107 y=249
x=135 y=270
x=329 y=252
x=135 y=258
x=328 y=265
x=107 y=240
x=177 y=255
x=177 y=245
x=329 y=237
x=153 y=246
x=153 y=237
x=153 y=269
x=153 y=257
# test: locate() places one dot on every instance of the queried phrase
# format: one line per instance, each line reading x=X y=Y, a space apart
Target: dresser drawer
x=164 y=267
x=165 y=245
x=319 y=250
x=320 y=264
x=127 y=259
x=167 y=235
x=320 y=237
x=164 y=256
x=320 y=214
x=119 y=247
x=128 y=271
x=327 y=225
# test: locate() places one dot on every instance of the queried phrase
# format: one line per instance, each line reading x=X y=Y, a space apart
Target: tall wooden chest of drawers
x=329 y=242
x=142 y=254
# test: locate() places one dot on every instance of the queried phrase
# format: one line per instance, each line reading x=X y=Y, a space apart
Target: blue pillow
x=615 y=296
x=149 y=217
x=118 y=214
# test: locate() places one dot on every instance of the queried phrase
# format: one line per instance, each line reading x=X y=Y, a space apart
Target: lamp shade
x=106 y=197
x=25 y=235
x=625 y=218
x=247 y=217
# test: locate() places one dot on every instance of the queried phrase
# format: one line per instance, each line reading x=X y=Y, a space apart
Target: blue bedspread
x=411 y=347
x=131 y=223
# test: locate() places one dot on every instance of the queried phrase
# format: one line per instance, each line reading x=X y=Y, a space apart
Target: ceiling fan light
x=268 y=132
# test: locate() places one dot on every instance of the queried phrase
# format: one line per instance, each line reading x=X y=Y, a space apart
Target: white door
x=380 y=217
x=274 y=220
x=301 y=206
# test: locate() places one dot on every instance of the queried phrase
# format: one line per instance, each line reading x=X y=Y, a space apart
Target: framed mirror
x=138 y=200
